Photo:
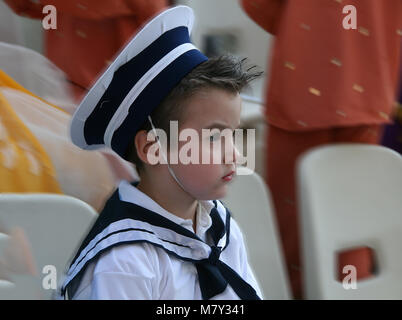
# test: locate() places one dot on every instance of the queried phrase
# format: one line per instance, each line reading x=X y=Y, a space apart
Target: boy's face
x=214 y=114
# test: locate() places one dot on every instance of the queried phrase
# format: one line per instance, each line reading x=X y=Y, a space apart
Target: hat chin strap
x=164 y=156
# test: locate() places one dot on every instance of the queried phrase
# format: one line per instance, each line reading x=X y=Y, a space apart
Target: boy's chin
x=215 y=194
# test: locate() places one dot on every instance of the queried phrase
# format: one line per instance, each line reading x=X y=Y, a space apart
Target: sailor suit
x=138 y=250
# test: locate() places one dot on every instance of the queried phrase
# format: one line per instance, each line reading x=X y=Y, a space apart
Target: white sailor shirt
x=145 y=271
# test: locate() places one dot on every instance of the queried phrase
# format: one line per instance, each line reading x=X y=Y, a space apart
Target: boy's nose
x=231 y=154
x=236 y=154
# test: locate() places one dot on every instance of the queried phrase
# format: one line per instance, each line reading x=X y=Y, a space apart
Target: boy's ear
x=142 y=145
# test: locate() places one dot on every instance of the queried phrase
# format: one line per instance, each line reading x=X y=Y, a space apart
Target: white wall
x=20 y=30
x=33 y=34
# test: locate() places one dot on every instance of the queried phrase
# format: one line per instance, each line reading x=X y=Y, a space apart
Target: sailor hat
x=141 y=76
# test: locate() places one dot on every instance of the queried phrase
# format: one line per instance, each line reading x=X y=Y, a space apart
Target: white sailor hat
x=141 y=76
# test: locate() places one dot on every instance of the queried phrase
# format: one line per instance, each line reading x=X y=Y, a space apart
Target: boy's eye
x=214 y=137
x=217 y=136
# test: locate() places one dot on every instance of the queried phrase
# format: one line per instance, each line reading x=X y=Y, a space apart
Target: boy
x=162 y=237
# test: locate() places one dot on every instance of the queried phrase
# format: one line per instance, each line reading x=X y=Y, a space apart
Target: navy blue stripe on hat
x=126 y=77
x=152 y=96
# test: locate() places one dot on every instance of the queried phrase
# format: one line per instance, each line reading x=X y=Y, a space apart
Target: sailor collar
x=130 y=193
x=123 y=222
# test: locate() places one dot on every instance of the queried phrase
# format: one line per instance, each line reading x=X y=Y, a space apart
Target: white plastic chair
x=54 y=225
x=350 y=196
x=249 y=201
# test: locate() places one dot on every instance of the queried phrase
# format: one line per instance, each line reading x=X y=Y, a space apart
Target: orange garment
x=327 y=85
x=323 y=75
x=89 y=32
x=284 y=148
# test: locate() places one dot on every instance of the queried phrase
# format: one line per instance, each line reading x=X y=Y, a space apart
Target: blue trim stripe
x=116 y=210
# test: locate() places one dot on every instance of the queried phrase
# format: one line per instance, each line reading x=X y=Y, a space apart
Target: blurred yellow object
x=24 y=164
x=36 y=152
x=7 y=81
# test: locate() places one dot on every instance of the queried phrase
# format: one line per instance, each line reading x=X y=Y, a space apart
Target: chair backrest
x=54 y=226
x=249 y=201
x=350 y=196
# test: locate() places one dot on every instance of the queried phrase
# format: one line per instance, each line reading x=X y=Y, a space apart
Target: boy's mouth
x=229 y=176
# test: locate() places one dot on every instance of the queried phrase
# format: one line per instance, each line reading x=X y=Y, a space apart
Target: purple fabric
x=392 y=137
